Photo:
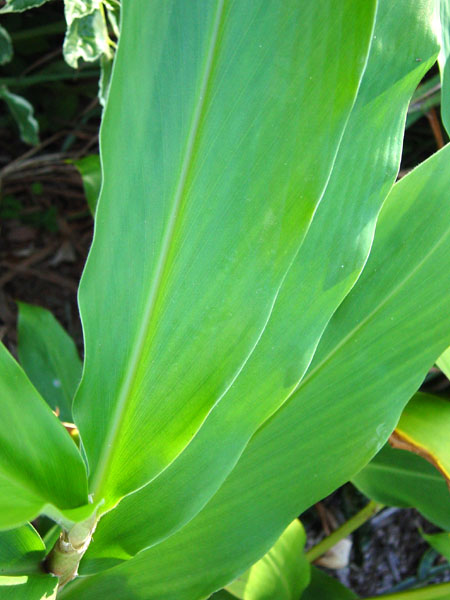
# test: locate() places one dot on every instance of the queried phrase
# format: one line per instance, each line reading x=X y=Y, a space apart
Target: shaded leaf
x=87 y=33
x=440 y=542
x=40 y=467
x=34 y=587
x=106 y=65
x=21 y=550
x=424 y=428
x=20 y=5
x=281 y=574
x=6 y=49
x=325 y=587
x=23 y=114
x=49 y=357
x=399 y=478
x=91 y=174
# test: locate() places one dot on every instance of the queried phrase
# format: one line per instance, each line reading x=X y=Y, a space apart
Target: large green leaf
x=399 y=478
x=323 y=272
x=325 y=587
x=21 y=550
x=40 y=466
x=34 y=587
x=281 y=574
x=424 y=428
x=49 y=357
x=342 y=412
x=207 y=196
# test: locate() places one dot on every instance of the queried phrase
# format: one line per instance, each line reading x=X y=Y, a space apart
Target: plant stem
x=431 y=592
x=69 y=549
x=346 y=529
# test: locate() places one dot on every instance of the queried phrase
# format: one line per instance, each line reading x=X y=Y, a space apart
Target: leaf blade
x=49 y=357
x=304 y=423
x=324 y=270
x=39 y=463
x=197 y=183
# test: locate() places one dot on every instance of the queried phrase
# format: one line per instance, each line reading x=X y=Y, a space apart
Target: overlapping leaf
x=6 y=49
x=424 y=428
x=206 y=199
x=399 y=478
x=324 y=270
x=282 y=573
x=91 y=174
x=49 y=357
x=21 y=551
x=351 y=398
x=23 y=114
x=324 y=586
x=40 y=466
x=33 y=587
x=440 y=542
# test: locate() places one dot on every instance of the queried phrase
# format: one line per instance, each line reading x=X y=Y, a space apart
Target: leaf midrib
x=124 y=392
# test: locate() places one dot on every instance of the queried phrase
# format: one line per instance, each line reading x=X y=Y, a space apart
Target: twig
x=346 y=529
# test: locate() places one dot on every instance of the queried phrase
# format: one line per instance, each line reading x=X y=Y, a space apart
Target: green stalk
x=440 y=591
x=69 y=549
x=346 y=529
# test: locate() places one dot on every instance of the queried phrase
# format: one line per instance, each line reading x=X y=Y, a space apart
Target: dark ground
x=46 y=229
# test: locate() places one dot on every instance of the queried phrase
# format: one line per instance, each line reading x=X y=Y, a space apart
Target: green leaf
x=342 y=412
x=424 y=428
x=23 y=114
x=324 y=270
x=87 y=33
x=281 y=574
x=41 y=469
x=444 y=363
x=106 y=66
x=444 y=62
x=201 y=216
x=6 y=49
x=325 y=587
x=440 y=542
x=20 y=5
x=399 y=478
x=35 y=587
x=91 y=174
x=49 y=357
x=21 y=550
